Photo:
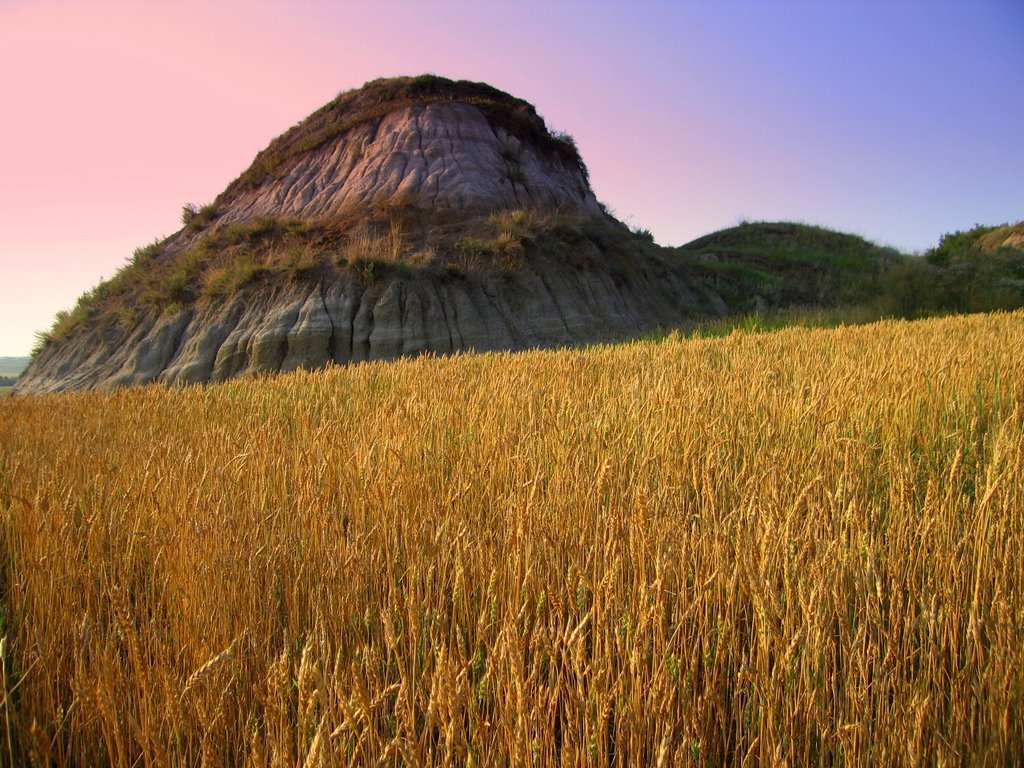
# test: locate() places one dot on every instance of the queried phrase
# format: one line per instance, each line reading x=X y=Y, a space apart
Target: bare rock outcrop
x=445 y=155
x=412 y=216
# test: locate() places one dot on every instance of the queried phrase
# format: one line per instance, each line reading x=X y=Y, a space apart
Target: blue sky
x=895 y=120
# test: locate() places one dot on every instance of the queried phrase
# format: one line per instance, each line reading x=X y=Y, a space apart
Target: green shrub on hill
x=961 y=274
x=786 y=264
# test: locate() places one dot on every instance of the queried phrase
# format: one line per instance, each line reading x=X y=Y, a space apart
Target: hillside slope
x=13 y=366
x=758 y=264
x=413 y=215
x=567 y=283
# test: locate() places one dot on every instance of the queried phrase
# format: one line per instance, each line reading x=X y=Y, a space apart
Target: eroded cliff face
x=454 y=154
x=445 y=156
x=282 y=326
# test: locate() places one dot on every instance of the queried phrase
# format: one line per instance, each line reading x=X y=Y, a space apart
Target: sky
x=899 y=120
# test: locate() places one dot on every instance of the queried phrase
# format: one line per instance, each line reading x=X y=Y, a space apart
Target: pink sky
x=690 y=116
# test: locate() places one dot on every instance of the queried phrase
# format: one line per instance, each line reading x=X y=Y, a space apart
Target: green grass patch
x=751 y=276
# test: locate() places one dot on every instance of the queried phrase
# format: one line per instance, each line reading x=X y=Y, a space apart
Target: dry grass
x=365 y=245
x=799 y=548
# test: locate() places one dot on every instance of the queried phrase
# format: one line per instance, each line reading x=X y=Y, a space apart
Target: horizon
x=690 y=118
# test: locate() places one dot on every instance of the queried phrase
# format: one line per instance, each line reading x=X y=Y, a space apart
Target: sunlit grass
x=802 y=547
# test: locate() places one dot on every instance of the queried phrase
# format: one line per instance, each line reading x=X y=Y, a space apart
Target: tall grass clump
x=796 y=548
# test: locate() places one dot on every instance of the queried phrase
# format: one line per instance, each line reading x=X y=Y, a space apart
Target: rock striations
x=413 y=215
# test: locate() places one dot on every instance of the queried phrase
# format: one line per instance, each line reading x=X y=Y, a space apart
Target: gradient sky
x=897 y=120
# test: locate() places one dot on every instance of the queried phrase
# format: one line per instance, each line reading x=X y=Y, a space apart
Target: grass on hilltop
x=804 y=547
x=978 y=238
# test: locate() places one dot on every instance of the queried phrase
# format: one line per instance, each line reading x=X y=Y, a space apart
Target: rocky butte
x=410 y=216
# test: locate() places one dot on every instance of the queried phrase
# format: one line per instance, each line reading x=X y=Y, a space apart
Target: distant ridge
x=13 y=366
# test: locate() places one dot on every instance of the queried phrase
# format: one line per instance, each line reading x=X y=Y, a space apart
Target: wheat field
x=796 y=548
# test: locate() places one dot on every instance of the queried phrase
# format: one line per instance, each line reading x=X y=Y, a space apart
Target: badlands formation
x=413 y=215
